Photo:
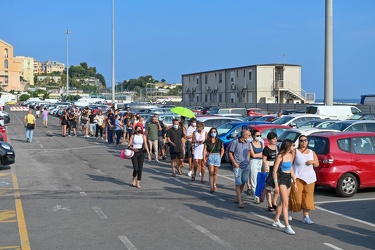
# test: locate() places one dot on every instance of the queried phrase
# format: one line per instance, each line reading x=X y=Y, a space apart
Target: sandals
x=193 y=177
x=215 y=187
x=211 y=191
x=179 y=170
x=241 y=205
x=271 y=209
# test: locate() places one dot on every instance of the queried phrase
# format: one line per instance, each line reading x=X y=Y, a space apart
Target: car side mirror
x=293 y=125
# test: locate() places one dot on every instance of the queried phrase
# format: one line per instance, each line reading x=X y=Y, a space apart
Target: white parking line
x=127 y=242
x=100 y=213
x=332 y=246
x=348 y=200
x=157 y=171
x=41 y=146
x=261 y=216
x=224 y=176
x=82 y=193
x=347 y=217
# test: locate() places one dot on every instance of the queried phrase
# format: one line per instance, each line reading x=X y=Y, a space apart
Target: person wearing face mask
x=174 y=137
x=199 y=137
x=152 y=136
x=213 y=152
x=256 y=161
x=239 y=154
x=189 y=139
x=135 y=143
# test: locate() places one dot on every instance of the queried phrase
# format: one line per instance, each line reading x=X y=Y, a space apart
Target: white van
x=334 y=111
x=224 y=111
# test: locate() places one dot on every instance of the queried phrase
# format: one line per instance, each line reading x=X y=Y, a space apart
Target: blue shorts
x=214 y=159
x=241 y=175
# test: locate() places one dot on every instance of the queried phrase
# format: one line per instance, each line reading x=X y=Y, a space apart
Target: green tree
x=24 y=97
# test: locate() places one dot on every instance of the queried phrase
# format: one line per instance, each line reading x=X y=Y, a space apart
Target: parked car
x=295 y=120
x=292 y=111
x=214 y=121
x=346 y=160
x=293 y=134
x=340 y=112
x=266 y=118
x=166 y=118
x=256 y=112
x=3 y=134
x=5 y=116
x=362 y=116
x=228 y=131
x=320 y=123
x=221 y=111
x=251 y=118
x=353 y=125
x=7 y=155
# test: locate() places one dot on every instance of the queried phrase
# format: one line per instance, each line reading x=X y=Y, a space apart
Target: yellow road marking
x=7 y=216
x=1 y=175
x=24 y=236
x=10 y=248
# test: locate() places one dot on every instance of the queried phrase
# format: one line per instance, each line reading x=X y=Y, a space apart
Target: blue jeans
x=241 y=175
x=118 y=136
x=29 y=134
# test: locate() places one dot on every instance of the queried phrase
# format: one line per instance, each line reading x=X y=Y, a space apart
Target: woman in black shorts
x=64 y=123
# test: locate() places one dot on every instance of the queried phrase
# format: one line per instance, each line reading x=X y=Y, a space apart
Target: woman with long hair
x=212 y=153
x=305 y=160
x=135 y=143
x=282 y=175
x=199 y=137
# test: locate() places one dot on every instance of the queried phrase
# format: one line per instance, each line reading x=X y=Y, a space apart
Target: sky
x=169 y=38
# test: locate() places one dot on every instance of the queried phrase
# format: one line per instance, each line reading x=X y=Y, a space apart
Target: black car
x=7 y=155
x=6 y=118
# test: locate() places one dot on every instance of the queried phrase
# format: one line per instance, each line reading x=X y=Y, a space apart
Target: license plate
x=10 y=153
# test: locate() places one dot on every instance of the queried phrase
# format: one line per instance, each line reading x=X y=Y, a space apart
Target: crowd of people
x=288 y=171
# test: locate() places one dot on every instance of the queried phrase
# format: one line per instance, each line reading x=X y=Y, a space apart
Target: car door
x=363 y=159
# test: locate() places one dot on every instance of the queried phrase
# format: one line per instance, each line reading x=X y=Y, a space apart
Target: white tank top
x=138 y=141
x=303 y=171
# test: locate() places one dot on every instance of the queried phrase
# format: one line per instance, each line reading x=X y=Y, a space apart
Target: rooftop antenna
x=284 y=55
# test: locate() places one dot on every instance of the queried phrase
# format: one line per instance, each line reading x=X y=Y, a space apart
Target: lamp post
x=67 y=32
x=113 y=51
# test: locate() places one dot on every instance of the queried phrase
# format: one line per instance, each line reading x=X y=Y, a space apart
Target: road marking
x=223 y=176
x=2 y=175
x=100 y=172
x=261 y=216
x=10 y=248
x=100 y=213
x=347 y=217
x=59 y=149
x=127 y=242
x=78 y=188
x=332 y=246
x=59 y=207
x=157 y=171
x=41 y=146
x=4 y=183
x=200 y=229
x=7 y=216
x=209 y=194
x=82 y=193
x=349 y=200
x=24 y=236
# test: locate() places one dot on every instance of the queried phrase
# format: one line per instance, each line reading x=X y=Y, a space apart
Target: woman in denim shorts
x=213 y=152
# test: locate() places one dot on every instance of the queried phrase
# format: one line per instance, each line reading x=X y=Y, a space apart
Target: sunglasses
x=257 y=136
x=304 y=140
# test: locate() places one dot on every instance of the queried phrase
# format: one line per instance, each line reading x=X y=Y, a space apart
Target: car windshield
x=283 y=120
x=339 y=126
x=291 y=135
x=223 y=129
x=355 y=117
x=309 y=124
x=214 y=111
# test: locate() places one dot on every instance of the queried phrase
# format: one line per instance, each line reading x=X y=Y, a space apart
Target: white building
x=264 y=83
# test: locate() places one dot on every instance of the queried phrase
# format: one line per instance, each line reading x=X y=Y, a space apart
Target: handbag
x=30 y=126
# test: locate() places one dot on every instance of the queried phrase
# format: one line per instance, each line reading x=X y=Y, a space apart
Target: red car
x=264 y=129
x=257 y=112
x=3 y=134
x=346 y=160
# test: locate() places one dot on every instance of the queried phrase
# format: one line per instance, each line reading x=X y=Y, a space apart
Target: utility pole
x=67 y=32
x=328 y=58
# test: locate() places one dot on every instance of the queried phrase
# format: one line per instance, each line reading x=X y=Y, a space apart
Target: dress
x=200 y=138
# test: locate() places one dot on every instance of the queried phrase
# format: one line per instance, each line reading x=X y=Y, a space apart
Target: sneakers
x=289 y=230
x=157 y=160
x=307 y=220
x=199 y=174
x=190 y=173
x=257 y=200
x=278 y=224
x=290 y=218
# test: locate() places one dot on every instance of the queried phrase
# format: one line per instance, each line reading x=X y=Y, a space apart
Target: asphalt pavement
x=75 y=193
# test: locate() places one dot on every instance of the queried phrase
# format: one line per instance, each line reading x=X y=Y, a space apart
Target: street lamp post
x=113 y=51
x=67 y=32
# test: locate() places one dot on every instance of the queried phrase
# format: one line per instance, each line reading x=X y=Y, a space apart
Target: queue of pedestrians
x=289 y=177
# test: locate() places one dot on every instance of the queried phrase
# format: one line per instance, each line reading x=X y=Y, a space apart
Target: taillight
x=328 y=161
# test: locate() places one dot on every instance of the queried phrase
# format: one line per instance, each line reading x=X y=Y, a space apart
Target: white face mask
x=194 y=124
x=175 y=126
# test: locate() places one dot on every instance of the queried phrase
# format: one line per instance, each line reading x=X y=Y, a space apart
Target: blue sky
x=168 y=38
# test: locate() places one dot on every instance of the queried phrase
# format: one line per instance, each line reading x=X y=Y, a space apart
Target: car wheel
x=347 y=185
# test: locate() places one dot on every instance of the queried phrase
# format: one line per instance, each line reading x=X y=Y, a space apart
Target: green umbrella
x=182 y=111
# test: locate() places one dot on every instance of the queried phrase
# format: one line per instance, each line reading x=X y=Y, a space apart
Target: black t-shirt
x=91 y=117
x=175 y=135
x=270 y=154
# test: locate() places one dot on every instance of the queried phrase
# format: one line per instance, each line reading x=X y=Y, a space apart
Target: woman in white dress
x=199 y=137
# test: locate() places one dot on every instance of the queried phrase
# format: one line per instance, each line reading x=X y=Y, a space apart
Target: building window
x=279 y=76
x=205 y=79
x=215 y=76
x=250 y=75
x=6 y=79
x=6 y=64
x=197 y=80
x=220 y=77
x=244 y=73
x=205 y=97
x=5 y=53
x=197 y=98
x=220 y=98
x=232 y=77
x=237 y=73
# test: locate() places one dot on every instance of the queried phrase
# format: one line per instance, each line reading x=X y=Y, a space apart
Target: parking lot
x=75 y=193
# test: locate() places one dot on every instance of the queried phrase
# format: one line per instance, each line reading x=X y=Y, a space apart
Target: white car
x=295 y=120
x=214 y=121
x=293 y=134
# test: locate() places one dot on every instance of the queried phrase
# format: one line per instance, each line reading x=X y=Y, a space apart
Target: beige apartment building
x=51 y=66
x=10 y=68
x=27 y=72
x=264 y=83
x=38 y=67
